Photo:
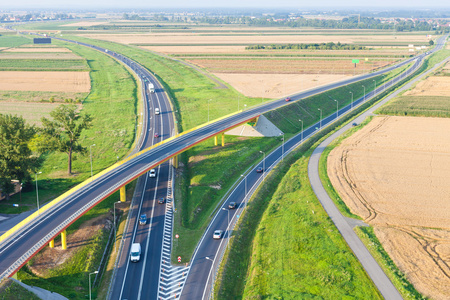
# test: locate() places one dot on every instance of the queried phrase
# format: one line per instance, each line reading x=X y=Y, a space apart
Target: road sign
x=177 y=236
x=179 y=258
x=355 y=61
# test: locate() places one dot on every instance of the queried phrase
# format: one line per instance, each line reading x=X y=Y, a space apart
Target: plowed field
x=394 y=173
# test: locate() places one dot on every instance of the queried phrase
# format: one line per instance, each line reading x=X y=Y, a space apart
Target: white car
x=157 y=111
x=218 y=234
x=152 y=173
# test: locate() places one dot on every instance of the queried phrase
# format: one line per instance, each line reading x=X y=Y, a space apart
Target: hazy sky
x=405 y=4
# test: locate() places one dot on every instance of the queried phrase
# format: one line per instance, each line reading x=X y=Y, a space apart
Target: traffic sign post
x=179 y=258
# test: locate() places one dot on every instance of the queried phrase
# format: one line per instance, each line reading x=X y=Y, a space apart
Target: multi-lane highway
x=23 y=244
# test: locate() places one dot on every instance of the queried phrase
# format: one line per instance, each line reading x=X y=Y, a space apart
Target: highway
x=21 y=246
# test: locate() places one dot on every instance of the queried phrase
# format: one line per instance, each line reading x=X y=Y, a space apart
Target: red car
x=156 y=135
x=288 y=99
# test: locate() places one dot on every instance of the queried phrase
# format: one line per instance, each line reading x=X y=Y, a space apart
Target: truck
x=135 y=253
x=151 y=87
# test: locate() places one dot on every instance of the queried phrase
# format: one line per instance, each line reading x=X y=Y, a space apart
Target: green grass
x=43 y=65
x=14 y=41
x=423 y=106
x=10 y=290
x=37 y=96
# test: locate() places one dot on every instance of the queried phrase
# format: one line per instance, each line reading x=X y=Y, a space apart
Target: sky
x=130 y=4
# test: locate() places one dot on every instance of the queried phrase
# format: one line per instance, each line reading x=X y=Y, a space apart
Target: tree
x=16 y=159
x=431 y=42
x=62 y=134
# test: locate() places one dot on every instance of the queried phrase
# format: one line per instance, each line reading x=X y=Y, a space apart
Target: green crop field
x=422 y=106
x=43 y=65
x=9 y=41
x=44 y=97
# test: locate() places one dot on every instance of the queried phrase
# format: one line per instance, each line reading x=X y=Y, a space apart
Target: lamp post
x=115 y=230
x=37 y=191
x=245 y=106
x=213 y=273
x=282 y=147
x=320 y=122
x=351 y=107
x=337 y=108
x=245 y=198
x=302 y=130
x=90 y=294
x=364 y=92
x=264 y=164
x=208 y=108
x=238 y=102
x=90 y=155
x=228 y=225
x=374 y=86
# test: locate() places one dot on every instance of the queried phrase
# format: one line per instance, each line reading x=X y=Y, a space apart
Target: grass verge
x=10 y=290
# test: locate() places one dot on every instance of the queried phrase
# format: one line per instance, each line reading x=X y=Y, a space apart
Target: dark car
x=232 y=205
x=354 y=124
x=288 y=99
x=161 y=200
x=143 y=219
x=259 y=170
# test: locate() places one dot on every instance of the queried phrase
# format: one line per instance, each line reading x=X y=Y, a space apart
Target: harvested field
x=288 y=66
x=35 y=49
x=186 y=38
x=432 y=86
x=394 y=173
x=196 y=49
x=32 y=112
x=84 y=23
x=45 y=81
x=39 y=55
x=276 y=85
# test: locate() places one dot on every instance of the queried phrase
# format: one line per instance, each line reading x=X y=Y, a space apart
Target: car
x=259 y=170
x=354 y=124
x=217 y=234
x=156 y=135
x=157 y=111
x=143 y=219
x=152 y=173
x=288 y=99
x=232 y=205
x=161 y=200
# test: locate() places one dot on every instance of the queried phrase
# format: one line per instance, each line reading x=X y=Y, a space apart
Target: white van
x=156 y=111
x=135 y=254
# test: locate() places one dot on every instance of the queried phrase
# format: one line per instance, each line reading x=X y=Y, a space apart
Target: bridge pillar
x=175 y=161
x=123 y=194
x=64 y=239
x=52 y=244
x=223 y=139
x=215 y=140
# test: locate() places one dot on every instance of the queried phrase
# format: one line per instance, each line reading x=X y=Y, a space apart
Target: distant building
x=42 y=40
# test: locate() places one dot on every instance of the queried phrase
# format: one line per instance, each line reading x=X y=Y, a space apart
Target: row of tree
x=22 y=145
x=311 y=46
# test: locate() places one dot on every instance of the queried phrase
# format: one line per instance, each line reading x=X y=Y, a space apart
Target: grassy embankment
x=9 y=290
x=9 y=41
x=298 y=201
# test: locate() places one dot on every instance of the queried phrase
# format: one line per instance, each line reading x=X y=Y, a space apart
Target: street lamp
x=245 y=198
x=320 y=122
x=302 y=130
x=208 y=108
x=374 y=86
x=213 y=279
x=115 y=230
x=264 y=164
x=37 y=191
x=238 y=102
x=352 y=101
x=245 y=106
x=228 y=225
x=90 y=154
x=337 y=108
x=90 y=295
x=364 y=92
x=282 y=146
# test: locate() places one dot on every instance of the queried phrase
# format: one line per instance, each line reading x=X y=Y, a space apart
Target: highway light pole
x=245 y=196
x=90 y=294
x=90 y=155
x=352 y=100
x=213 y=273
x=364 y=92
x=264 y=164
x=37 y=191
x=337 y=108
x=320 y=122
x=302 y=130
x=228 y=226
x=374 y=86
x=282 y=147
x=208 y=108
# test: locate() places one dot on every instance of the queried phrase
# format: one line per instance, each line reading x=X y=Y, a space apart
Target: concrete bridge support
x=123 y=194
x=64 y=239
